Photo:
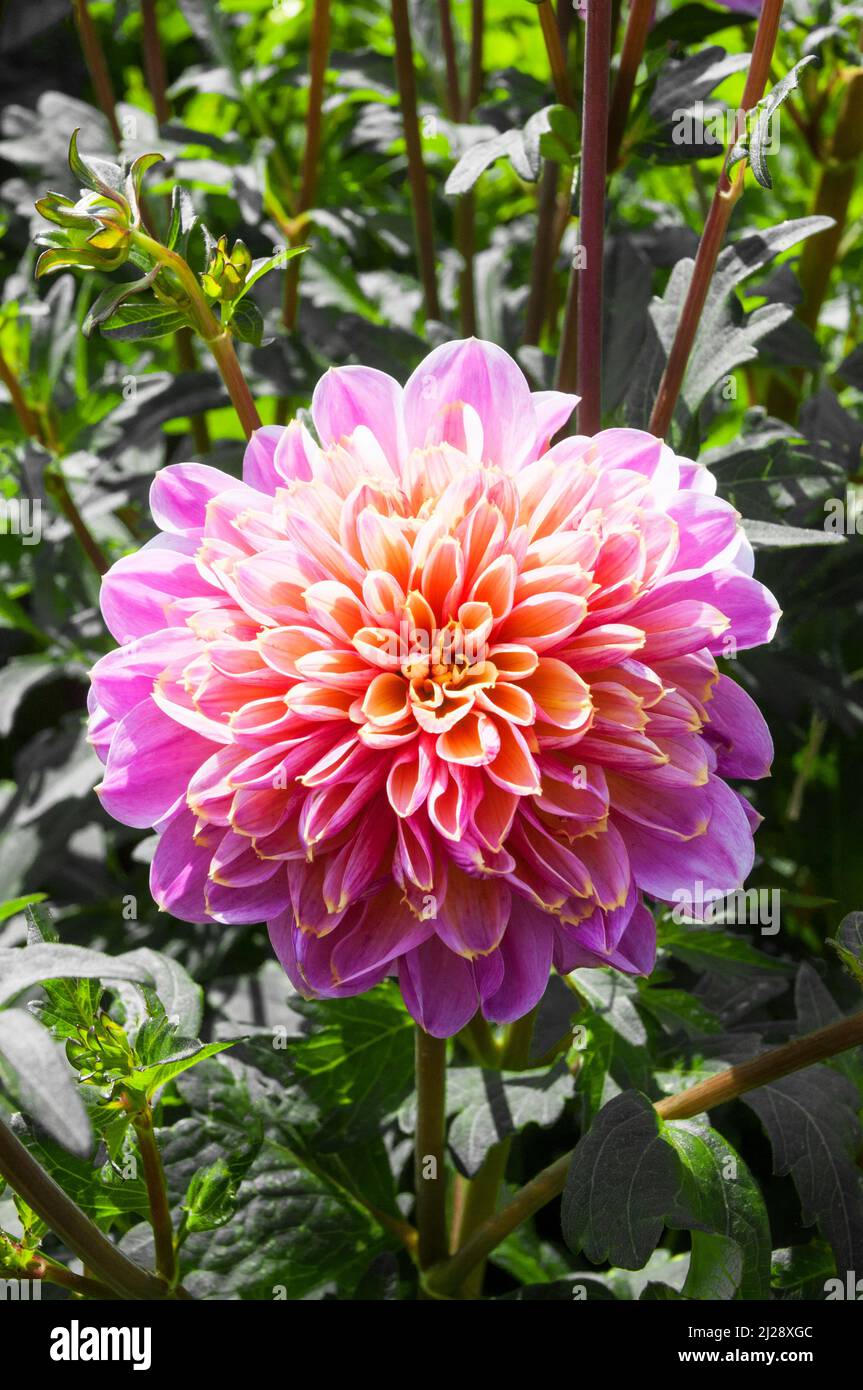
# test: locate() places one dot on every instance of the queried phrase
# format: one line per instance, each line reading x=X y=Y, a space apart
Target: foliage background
x=783 y=436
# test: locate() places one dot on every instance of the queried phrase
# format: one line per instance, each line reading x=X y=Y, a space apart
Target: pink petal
x=439 y=988
x=347 y=397
x=483 y=376
x=149 y=765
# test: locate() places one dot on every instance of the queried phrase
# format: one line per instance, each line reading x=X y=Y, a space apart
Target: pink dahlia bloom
x=434 y=698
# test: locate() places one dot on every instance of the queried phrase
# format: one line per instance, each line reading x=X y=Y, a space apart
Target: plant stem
x=420 y=199
x=50 y=1272
x=97 y=67
x=154 y=62
x=542 y=264
x=637 y=29
x=447 y=33
x=556 y=55
x=429 y=1148
x=477 y=30
x=207 y=326
x=835 y=188
x=479 y=1203
x=66 y=1219
x=57 y=487
x=157 y=1193
x=515 y=1053
x=725 y=196
x=26 y=418
x=585 y=298
x=717 y=1090
x=319 y=47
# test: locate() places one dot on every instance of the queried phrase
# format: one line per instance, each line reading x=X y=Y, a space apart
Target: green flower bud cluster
x=226 y=274
x=101 y=1051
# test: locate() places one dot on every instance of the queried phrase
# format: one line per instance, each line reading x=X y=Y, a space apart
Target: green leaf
x=801 y=1271
x=612 y=996
x=102 y=1193
x=16 y=905
x=811 y=1120
x=520 y=147
x=181 y=998
x=107 y=304
x=247 y=322
x=490 y=1106
x=265 y=264
x=149 y=1078
x=35 y=1074
x=760 y=138
x=677 y=1008
x=848 y=945
x=622 y=1180
x=705 y=949
x=720 y=1203
x=133 y=322
x=210 y=1200
x=22 y=967
x=355 y=1066
x=725 y=337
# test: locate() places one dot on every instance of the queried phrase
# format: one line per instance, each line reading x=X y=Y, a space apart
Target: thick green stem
x=429 y=1170
x=157 y=1194
x=717 y=1090
x=39 y=1190
x=477 y=1205
x=420 y=199
x=515 y=1053
x=724 y=198
x=207 y=326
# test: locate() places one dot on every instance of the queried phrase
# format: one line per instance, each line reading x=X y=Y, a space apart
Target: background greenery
x=771 y=402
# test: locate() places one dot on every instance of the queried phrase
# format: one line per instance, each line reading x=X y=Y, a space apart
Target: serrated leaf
x=622 y=1180
x=720 y=1203
x=705 y=949
x=812 y=1123
x=490 y=1106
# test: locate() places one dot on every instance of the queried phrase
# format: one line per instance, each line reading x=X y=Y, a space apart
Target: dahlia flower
x=432 y=696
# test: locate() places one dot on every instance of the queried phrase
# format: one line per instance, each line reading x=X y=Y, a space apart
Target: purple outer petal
x=720 y=859
x=526 y=950
x=439 y=988
x=738 y=731
x=178 y=873
x=149 y=765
